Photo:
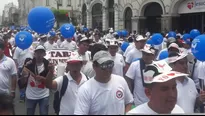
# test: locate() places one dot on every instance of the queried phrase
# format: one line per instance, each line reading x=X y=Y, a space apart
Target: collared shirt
x=7 y=70
x=187 y=94
x=68 y=101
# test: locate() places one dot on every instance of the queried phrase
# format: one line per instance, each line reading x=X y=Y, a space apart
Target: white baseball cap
x=102 y=56
x=173 y=45
x=111 y=42
x=160 y=72
x=74 y=57
x=177 y=58
x=140 y=38
x=149 y=49
x=40 y=47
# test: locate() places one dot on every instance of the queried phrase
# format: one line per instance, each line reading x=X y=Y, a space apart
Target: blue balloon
x=194 y=33
x=198 y=48
x=23 y=40
x=124 y=33
x=157 y=39
x=163 y=55
x=67 y=31
x=52 y=33
x=119 y=33
x=150 y=42
x=172 y=34
x=41 y=20
x=187 y=38
x=124 y=46
x=85 y=29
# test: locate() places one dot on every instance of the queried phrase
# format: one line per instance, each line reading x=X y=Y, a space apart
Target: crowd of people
x=99 y=77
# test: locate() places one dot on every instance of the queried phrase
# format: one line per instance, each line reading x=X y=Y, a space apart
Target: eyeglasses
x=107 y=65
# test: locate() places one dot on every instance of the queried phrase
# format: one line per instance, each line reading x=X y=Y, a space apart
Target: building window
x=69 y=3
x=60 y=2
x=47 y=2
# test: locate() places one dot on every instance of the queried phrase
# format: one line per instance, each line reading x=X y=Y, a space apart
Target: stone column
x=141 y=24
x=105 y=18
x=135 y=21
x=116 y=10
x=166 y=23
x=89 y=19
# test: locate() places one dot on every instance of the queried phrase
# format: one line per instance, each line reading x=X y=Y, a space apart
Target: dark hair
x=96 y=48
x=6 y=103
x=6 y=36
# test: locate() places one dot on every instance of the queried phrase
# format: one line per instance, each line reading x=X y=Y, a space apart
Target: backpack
x=58 y=95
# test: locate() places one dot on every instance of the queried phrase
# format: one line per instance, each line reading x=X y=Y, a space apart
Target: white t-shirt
x=59 y=42
x=129 y=48
x=71 y=46
x=88 y=69
x=67 y=105
x=133 y=55
x=21 y=55
x=36 y=90
x=86 y=63
x=7 y=70
x=95 y=98
x=145 y=109
x=119 y=64
x=134 y=73
x=187 y=88
x=49 y=46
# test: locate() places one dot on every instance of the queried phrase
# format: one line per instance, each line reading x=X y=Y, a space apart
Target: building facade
x=26 y=5
x=6 y=12
x=142 y=15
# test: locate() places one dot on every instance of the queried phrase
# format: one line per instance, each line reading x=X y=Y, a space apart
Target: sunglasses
x=107 y=65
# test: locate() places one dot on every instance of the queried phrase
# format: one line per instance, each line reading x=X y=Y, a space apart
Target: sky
x=4 y=2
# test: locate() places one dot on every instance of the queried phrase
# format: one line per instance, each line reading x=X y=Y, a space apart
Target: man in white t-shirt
x=185 y=85
x=50 y=44
x=8 y=73
x=75 y=79
x=19 y=57
x=135 y=53
x=60 y=41
x=161 y=89
x=105 y=94
x=134 y=76
x=83 y=46
x=119 y=62
x=69 y=44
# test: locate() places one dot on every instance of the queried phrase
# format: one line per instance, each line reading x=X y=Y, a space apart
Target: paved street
x=20 y=108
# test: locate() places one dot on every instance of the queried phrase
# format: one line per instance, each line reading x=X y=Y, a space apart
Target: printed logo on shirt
x=119 y=94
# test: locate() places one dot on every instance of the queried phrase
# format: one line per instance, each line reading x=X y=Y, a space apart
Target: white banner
x=191 y=6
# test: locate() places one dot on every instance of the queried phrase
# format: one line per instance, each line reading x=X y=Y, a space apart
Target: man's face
x=74 y=66
x=172 y=49
x=140 y=44
x=39 y=54
x=104 y=69
x=113 y=50
x=148 y=58
x=164 y=96
x=181 y=65
x=84 y=46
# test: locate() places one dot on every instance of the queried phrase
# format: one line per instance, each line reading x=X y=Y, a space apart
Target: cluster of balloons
x=41 y=20
x=123 y=33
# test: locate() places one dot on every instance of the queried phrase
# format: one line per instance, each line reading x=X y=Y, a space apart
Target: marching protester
x=50 y=44
x=74 y=79
x=161 y=89
x=69 y=44
x=119 y=63
x=8 y=72
x=134 y=75
x=140 y=41
x=104 y=87
x=36 y=91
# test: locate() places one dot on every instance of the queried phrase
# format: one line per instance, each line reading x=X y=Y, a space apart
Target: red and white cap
x=173 y=45
x=159 y=72
x=74 y=57
x=149 y=49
